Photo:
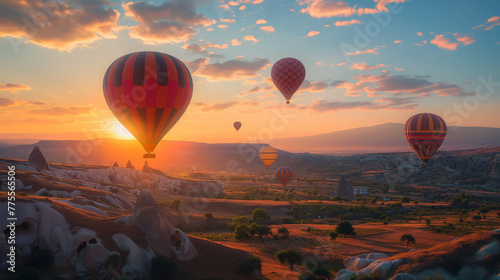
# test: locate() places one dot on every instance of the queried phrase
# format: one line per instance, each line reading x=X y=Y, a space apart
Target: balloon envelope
x=284 y=175
x=268 y=155
x=425 y=133
x=287 y=75
x=237 y=126
x=148 y=93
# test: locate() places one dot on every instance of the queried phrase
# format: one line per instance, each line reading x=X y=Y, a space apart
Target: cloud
x=222 y=26
x=60 y=25
x=387 y=104
x=347 y=22
x=367 y=51
x=201 y=49
x=166 y=23
x=313 y=86
x=312 y=33
x=338 y=8
x=6 y=102
x=261 y=21
x=59 y=111
x=398 y=85
x=420 y=33
x=464 y=39
x=421 y=44
x=398 y=42
x=267 y=28
x=227 y=20
x=250 y=38
x=446 y=43
x=235 y=42
x=216 y=107
x=234 y=69
x=13 y=87
x=364 y=66
x=490 y=23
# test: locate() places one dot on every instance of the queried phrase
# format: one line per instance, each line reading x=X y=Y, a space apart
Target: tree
x=289 y=256
x=307 y=275
x=408 y=238
x=209 y=217
x=345 y=228
x=456 y=201
x=175 y=204
x=162 y=204
x=250 y=264
x=428 y=221
x=242 y=232
x=319 y=270
x=260 y=214
x=405 y=199
x=240 y=220
x=264 y=230
x=283 y=232
x=333 y=235
x=373 y=200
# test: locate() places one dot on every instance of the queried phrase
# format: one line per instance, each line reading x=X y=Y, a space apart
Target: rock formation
x=344 y=189
x=115 y=164
x=148 y=218
x=146 y=167
x=129 y=165
x=37 y=160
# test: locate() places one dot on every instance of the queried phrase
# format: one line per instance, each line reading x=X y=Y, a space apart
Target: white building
x=360 y=190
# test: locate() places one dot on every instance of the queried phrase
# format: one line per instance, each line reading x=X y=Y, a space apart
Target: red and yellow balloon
x=425 y=133
x=284 y=175
x=148 y=92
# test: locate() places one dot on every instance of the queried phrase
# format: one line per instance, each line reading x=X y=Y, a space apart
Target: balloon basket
x=149 y=155
x=287 y=102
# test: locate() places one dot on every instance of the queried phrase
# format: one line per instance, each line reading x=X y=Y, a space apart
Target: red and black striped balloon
x=148 y=92
x=425 y=133
x=284 y=175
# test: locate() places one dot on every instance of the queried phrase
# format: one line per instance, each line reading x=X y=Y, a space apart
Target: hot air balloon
x=284 y=174
x=237 y=125
x=148 y=93
x=288 y=74
x=268 y=155
x=425 y=132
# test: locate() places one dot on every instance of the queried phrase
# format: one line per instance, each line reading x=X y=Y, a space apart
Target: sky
x=367 y=63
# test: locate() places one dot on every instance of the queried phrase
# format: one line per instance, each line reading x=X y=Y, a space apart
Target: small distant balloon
x=425 y=133
x=268 y=155
x=287 y=75
x=284 y=175
x=237 y=125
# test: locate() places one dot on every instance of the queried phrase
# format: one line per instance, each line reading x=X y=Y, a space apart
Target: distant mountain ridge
x=388 y=137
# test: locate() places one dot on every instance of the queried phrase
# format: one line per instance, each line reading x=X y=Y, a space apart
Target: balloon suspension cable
x=149 y=155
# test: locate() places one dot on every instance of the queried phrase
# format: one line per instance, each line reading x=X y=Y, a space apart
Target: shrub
x=242 y=232
x=319 y=270
x=250 y=264
x=408 y=238
x=289 y=256
x=175 y=204
x=209 y=217
x=283 y=232
x=333 y=235
x=162 y=204
x=286 y=220
x=260 y=214
x=162 y=268
x=373 y=276
x=307 y=275
x=345 y=228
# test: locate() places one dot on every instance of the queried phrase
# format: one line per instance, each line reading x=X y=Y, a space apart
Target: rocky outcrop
x=37 y=160
x=146 y=168
x=450 y=260
x=344 y=189
x=147 y=216
x=115 y=164
x=129 y=165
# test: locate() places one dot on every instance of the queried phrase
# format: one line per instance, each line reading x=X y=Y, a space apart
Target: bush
x=373 y=276
x=40 y=258
x=260 y=214
x=405 y=199
x=289 y=256
x=250 y=264
x=286 y=220
x=345 y=228
x=283 y=232
x=307 y=275
x=162 y=204
x=242 y=232
x=319 y=270
x=162 y=268
x=209 y=217
x=175 y=204
x=333 y=235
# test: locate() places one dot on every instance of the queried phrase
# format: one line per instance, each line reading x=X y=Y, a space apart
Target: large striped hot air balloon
x=268 y=155
x=148 y=92
x=425 y=132
x=284 y=175
x=288 y=75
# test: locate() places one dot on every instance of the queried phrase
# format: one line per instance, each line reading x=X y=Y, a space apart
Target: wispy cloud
x=13 y=87
x=235 y=69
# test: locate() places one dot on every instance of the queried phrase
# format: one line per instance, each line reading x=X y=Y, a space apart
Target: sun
x=121 y=132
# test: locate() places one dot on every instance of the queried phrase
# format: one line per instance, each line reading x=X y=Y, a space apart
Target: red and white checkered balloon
x=288 y=75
